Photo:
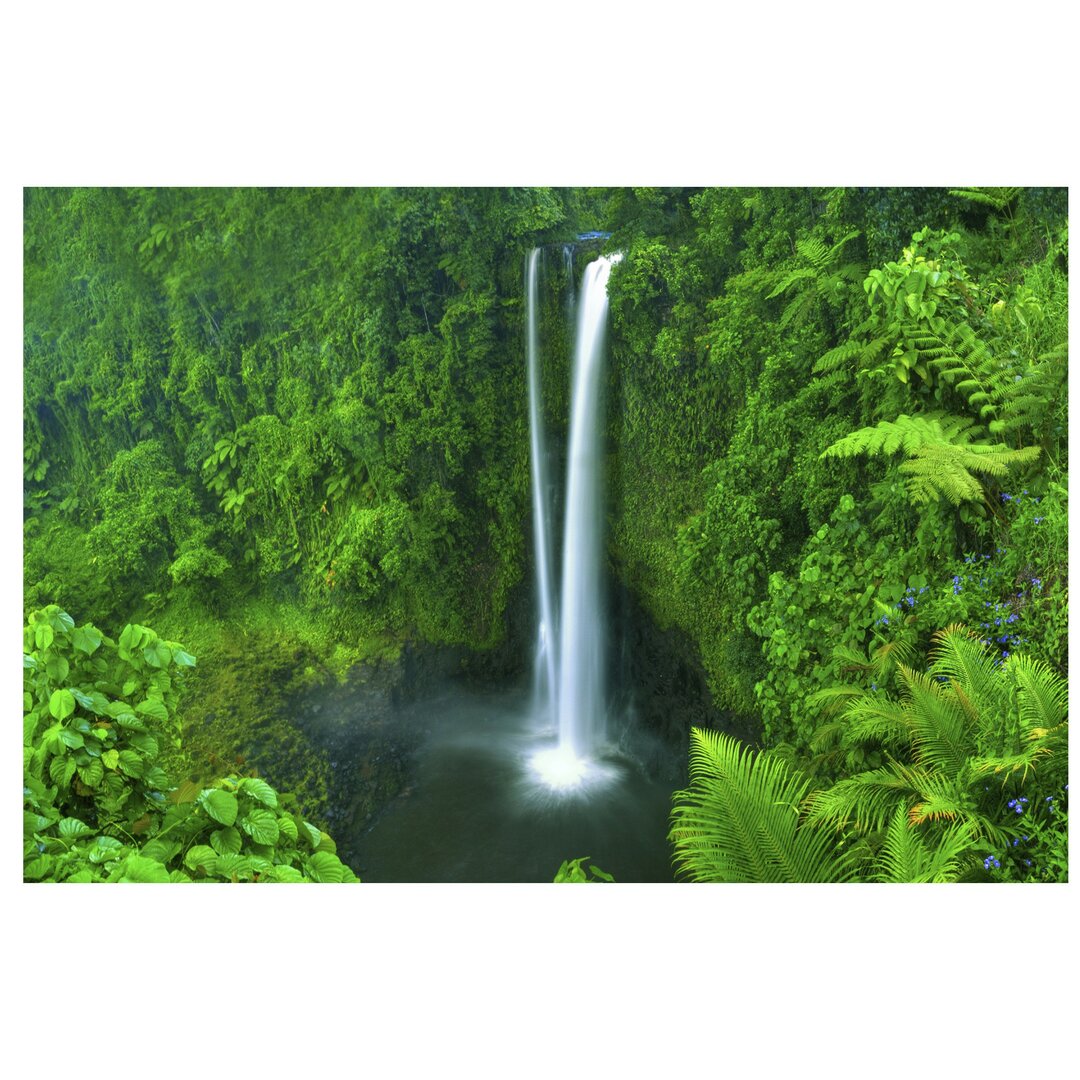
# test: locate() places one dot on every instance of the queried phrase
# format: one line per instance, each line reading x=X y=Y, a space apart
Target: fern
x=942 y=455
x=997 y=198
x=1030 y=396
x=907 y=857
x=740 y=819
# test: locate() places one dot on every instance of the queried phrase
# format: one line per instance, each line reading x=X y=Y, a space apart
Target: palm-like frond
x=910 y=855
x=740 y=819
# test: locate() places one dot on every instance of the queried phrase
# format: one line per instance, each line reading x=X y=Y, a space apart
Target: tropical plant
x=958 y=742
x=98 y=806
x=740 y=819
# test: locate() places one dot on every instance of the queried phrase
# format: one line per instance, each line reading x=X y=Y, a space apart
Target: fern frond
x=997 y=198
x=907 y=857
x=739 y=820
x=1029 y=396
x=863 y=801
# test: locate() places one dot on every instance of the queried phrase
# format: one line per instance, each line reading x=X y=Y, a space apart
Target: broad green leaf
x=163 y=850
x=233 y=866
x=261 y=826
x=153 y=707
x=144 y=742
x=220 y=805
x=183 y=659
x=105 y=848
x=80 y=877
x=287 y=827
x=71 y=739
x=314 y=835
x=110 y=759
x=284 y=874
x=91 y=774
x=86 y=639
x=57 y=668
x=35 y=823
x=63 y=620
x=61 y=704
x=38 y=869
x=61 y=770
x=201 y=856
x=157 y=654
x=70 y=828
x=129 y=688
x=84 y=699
x=326 y=843
x=43 y=636
x=259 y=789
x=131 y=763
x=226 y=841
x=129 y=721
x=326 y=867
x=155 y=777
x=140 y=870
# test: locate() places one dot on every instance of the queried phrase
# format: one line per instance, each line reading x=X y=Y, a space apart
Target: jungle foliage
x=98 y=714
x=837 y=426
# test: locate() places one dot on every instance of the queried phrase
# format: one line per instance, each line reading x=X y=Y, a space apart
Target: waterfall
x=546 y=659
x=581 y=692
x=570 y=664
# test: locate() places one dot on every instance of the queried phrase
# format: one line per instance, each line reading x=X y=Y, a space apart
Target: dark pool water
x=475 y=811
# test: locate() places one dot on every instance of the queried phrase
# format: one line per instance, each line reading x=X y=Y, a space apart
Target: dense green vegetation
x=297 y=418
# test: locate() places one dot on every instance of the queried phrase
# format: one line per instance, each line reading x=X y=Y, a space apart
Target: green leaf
x=261 y=790
x=38 y=869
x=105 y=848
x=61 y=770
x=57 y=668
x=220 y=805
x=128 y=720
x=287 y=827
x=183 y=659
x=326 y=867
x=226 y=841
x=43 y=636
x=261 y=826
x=91 y=774
x=131 y=763
x=70 y=828
x=86 y=639
x=229 y=866
x=144 y=742
x=138 y=869
x=71 y=739
x=164 y=851
x=153 y=707
x=284 y=874
x=61 y=704
x=110 y=759
x=157 y=654
x=156 y=778
x=201 y=856
x=313 y=835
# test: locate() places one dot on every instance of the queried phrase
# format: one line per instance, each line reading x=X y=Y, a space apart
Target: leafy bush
x=99 y=806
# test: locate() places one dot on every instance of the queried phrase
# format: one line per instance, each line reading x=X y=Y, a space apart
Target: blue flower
x=1037 y=582
x=990 y=859
x=1004 y=497
x=1039 y=520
